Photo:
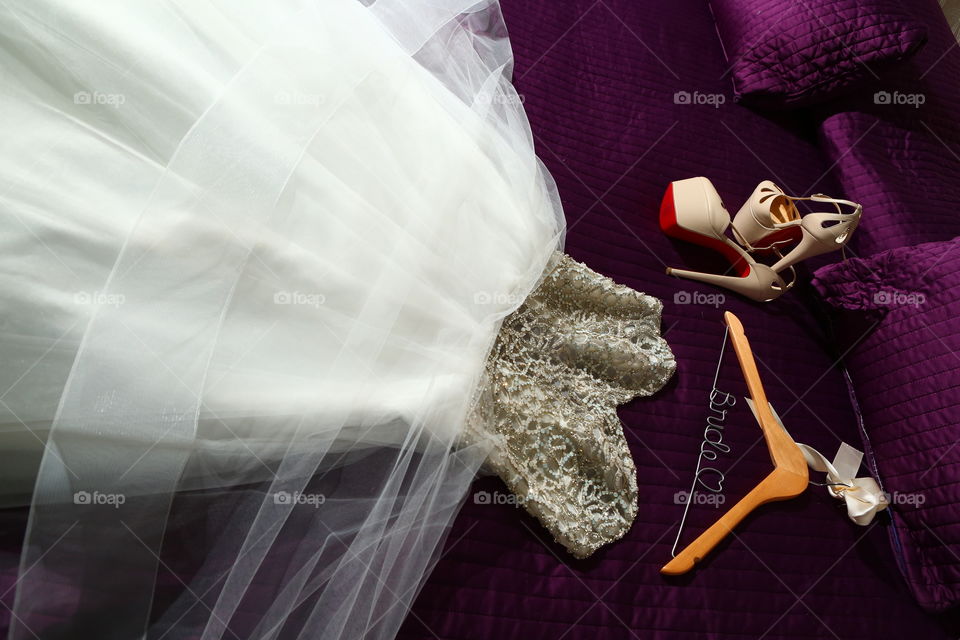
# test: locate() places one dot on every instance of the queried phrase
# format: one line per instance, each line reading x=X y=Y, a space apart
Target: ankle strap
x=816 y=197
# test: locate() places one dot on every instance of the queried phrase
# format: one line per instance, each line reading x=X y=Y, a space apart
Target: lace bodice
x=579 y=345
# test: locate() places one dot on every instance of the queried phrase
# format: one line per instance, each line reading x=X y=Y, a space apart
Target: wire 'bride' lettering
x=709 y=478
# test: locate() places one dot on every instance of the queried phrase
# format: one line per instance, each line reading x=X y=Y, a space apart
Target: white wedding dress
x=257 y=245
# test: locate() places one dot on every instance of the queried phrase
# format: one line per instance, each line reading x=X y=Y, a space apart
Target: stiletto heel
x=822 y=233
x=762 y=284
x=692 y=210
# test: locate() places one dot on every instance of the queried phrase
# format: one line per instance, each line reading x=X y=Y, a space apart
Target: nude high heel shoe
x=692 y=210
x=769 y=219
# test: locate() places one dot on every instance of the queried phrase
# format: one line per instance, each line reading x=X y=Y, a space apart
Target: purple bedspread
x=896 y=145
x=905 y=376
x=601 y=82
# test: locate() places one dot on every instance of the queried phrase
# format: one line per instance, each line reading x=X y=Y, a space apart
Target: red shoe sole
x=669 y=225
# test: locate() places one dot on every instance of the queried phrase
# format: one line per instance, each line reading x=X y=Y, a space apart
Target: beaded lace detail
x=577 y=347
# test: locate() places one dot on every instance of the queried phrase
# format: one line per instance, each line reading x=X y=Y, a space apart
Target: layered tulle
x=254 y=257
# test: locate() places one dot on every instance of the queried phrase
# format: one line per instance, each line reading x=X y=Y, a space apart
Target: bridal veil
x=255 y=255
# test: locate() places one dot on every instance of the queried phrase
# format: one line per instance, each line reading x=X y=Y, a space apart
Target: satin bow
x=863 y=496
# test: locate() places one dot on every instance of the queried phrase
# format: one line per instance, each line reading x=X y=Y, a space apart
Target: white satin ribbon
x=863 y=496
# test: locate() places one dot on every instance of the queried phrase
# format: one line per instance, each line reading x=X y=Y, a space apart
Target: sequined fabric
x=578 y=346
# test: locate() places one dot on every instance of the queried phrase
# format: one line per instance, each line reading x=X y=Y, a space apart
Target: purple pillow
x=785 y=53
x=898 y=320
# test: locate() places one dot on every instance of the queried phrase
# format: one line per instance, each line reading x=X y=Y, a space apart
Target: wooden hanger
x=787 y=480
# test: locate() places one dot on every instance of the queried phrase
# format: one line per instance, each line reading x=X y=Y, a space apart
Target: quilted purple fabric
x=895 y=146
x=901 y=318
x=783 y=53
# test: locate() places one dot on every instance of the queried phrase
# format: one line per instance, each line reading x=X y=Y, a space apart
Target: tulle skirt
x=254 y=256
